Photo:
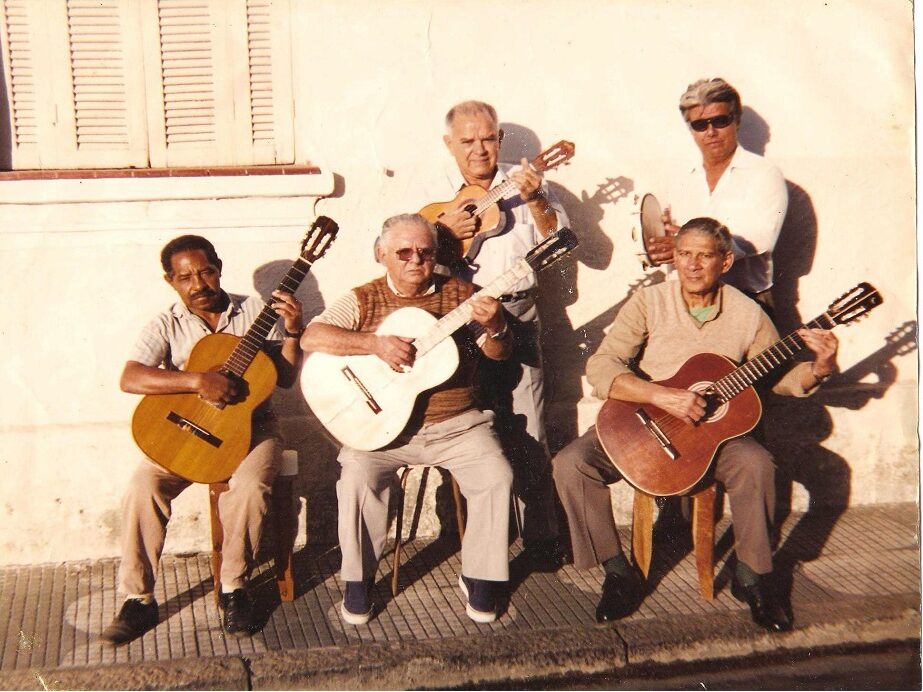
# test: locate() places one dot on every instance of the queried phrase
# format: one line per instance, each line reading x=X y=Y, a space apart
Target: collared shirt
x=168 y=339
x=658 y=319
x=501 y=252
x=750 y=199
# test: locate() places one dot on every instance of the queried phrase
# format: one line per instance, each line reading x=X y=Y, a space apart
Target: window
x=146 y=83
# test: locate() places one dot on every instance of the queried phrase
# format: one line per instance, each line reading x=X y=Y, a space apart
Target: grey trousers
x=146 y=509
x=466 y=447
x=583 y=472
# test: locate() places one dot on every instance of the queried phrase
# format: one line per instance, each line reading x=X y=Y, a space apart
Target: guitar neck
x=761 y=365
x=461 y=315
x=251 y=343
x=494 y=195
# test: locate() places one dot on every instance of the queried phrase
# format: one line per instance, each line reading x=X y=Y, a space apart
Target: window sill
x=153 y=184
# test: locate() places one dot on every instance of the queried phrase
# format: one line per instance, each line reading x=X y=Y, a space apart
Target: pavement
x=854 y=582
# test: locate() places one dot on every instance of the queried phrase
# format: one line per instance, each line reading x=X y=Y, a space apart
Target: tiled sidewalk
x=52 y=614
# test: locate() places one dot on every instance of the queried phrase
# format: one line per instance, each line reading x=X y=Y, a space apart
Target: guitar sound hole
x=715 y=406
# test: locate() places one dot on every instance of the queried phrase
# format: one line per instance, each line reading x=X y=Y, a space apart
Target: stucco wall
x=829 y=94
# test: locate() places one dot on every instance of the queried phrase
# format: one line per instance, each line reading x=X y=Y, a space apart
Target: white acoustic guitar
x=363 y=402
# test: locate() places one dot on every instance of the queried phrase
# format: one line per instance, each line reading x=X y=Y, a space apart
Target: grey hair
x=710 y=227
x=471 y=108
x=707 y=91
x=413 y=219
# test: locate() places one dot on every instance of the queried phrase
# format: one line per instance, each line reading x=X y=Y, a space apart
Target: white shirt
x=750 y=199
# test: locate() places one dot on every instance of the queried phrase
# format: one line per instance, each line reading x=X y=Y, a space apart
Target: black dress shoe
x=765 y=607
x=622 y=595
x=134 y=619
x=238 y=613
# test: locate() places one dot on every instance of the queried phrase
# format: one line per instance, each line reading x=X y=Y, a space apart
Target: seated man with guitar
x=446 y=428
x=157 y=367
x=657 y=331
x=499 y=213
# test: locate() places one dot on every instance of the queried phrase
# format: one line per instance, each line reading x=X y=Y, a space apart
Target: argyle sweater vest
x=457 y=394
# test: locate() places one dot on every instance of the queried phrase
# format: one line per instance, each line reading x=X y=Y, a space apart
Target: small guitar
x=662 y=455
x=205 y=443
x=483 y=204
x=363 y=402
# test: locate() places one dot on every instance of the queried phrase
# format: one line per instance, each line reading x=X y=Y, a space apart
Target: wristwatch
x=820 y=380
x=502 y=333
x=293 y=335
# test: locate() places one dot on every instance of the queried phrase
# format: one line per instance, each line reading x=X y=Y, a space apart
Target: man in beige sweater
x=658 y=329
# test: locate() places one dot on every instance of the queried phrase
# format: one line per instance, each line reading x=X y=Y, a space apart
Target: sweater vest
x=457 y=394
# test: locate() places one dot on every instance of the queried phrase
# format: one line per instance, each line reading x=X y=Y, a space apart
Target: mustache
x=204 y=293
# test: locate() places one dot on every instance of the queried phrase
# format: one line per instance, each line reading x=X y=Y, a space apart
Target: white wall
x=831 y=83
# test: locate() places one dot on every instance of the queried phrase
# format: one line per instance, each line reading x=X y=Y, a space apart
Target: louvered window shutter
x=219 y=82
x=73 y=87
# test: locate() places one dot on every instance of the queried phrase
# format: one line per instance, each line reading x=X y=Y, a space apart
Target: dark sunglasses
x=406 y=253
x=719 y=122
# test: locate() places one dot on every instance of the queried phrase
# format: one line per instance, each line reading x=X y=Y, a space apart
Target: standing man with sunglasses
x=447 y=429
x=742 y=190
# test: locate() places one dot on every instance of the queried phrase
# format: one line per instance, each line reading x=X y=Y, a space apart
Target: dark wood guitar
x=203 y=442
x=483 y=204
x=661 y=454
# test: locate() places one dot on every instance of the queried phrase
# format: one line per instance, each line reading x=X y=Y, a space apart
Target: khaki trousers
x=146 y=509
x=466 y=447
x=582 y=473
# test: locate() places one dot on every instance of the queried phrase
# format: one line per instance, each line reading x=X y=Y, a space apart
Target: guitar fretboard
x=251 y=343
x=761 y=365
x=494 y=196
x=461 y=315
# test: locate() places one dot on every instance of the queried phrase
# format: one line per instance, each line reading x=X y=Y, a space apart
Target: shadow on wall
x=6 y=132
x=318 y=468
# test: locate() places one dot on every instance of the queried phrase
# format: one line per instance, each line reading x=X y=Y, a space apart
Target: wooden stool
x=703 y=535
x=459 y=520
x=284 y=535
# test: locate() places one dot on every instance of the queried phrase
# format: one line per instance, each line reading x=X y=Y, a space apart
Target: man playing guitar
x=671 y=322
x=514 y=388
x=193 y=270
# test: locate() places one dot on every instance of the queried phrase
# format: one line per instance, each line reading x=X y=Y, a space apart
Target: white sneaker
x=482 y=597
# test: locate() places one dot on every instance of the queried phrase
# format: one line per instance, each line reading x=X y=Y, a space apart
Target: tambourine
x=651 y=216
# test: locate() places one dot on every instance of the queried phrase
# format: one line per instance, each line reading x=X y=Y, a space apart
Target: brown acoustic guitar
x=483 y=204
x=663 y=455
x=204 y=442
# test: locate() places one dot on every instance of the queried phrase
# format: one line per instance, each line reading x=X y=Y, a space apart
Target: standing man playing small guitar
x=447 y=428
x=671 y=322
x=193 y=270
x=513 y=388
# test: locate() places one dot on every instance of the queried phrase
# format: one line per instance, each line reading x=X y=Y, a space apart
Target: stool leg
x=396 y=560
x=642 y=529
x=217 y=531
x=703 y=540
x=285 y=537
x=459 y=516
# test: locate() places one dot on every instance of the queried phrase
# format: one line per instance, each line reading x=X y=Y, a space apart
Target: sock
x=745 y=575
x=617 y=565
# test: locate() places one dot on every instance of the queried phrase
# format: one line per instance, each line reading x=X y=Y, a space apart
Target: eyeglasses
x=406 y=253
x=719 y=122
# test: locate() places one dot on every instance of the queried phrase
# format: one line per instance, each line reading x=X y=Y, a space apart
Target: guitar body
x=192 y=438
x=642 y=459
x=360 y=399
x=491 y=222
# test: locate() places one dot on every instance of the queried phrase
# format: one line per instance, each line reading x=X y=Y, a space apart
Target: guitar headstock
x=854 y=304
x=551 y=249
x=554 y=156
x=318 y=238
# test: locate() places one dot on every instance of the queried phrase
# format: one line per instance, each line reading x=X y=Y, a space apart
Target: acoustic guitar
x=363 y=402
x=204 y=442
x=483 y=204
x=663 y=455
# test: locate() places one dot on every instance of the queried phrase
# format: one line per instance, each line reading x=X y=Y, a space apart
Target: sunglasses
x=719 y=122
x=405 y=254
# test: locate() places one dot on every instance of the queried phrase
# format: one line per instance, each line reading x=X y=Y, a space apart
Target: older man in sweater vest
x=657 y=330
x=447 y=429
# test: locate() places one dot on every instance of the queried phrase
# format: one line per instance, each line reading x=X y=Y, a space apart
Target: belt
x=518 y=295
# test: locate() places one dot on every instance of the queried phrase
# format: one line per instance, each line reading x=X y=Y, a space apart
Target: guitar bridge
x=658 y=434
x=187 y=425
x=369 y=399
